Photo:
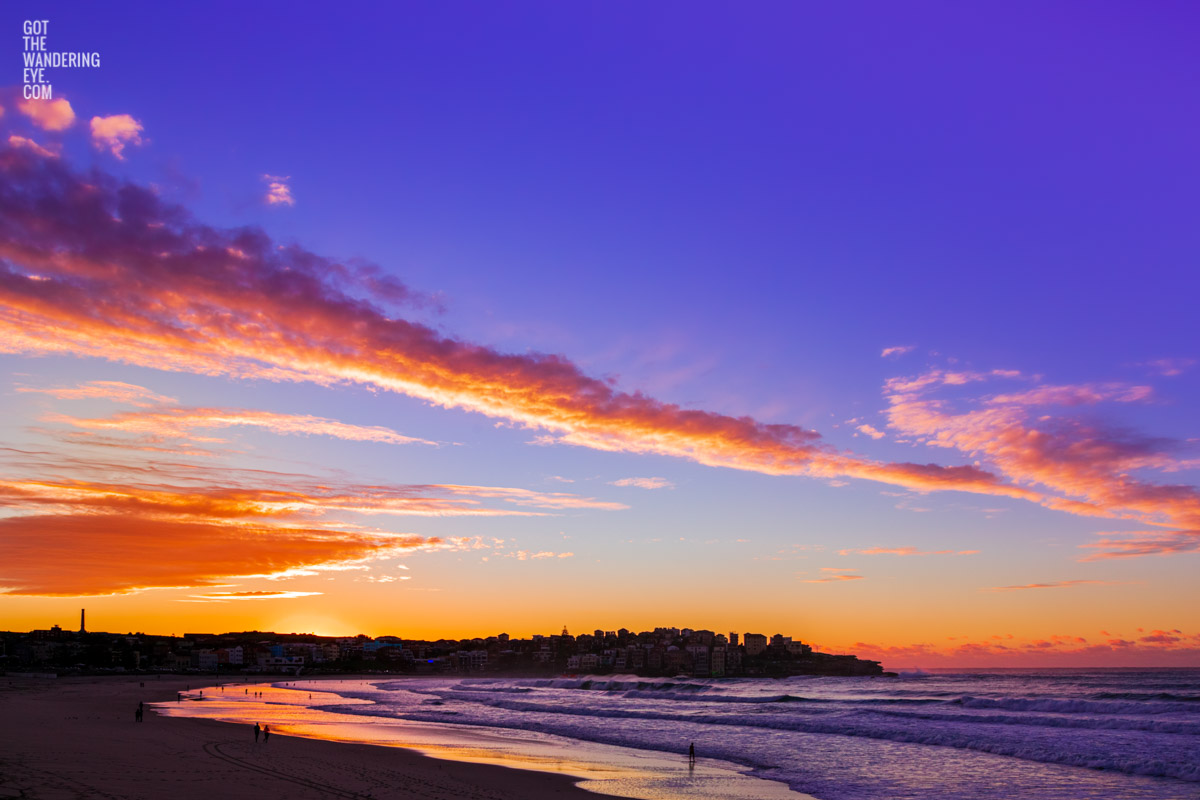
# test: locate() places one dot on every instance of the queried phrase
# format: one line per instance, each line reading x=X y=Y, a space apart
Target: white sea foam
x=1055 y=735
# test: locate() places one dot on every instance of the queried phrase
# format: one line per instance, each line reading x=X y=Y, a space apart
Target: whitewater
x=1035 y=735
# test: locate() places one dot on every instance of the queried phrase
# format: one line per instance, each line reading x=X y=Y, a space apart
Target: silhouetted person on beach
x=266 y=733
x=257 y=731
x=692 y=753
x=137 y=715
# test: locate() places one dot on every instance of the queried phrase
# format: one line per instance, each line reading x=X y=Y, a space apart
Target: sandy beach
x=77 y=738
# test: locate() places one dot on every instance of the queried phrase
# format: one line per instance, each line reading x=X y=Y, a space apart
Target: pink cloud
x=1082 y=467
x=1171 y=367
x=1143 y=543
x=115 y=132
x=896 y=352
x=645 y=483
x=108 y=390
x=49 y=115
x=870 y=431
x=176 y=421
x=32 y=146
x=234 y=303
x=1083 y=394
x=279 y=193
x=1160 y=648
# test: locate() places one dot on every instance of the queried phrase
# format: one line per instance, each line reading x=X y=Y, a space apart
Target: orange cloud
x=88 y=554
x=164 y=524
x=115 y=132
x=835 y=574
x=301 y=498
x=49 y=115
x=234 y=303
x=893 y=352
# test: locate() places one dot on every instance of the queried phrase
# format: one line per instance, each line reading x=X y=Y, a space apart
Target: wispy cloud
x=1171 y=367
x=835 y=574
x=235 y=303
x=645 y=483
x=32 y=146
x=525 y=555
x=221 y=596
x=177 y=421
x=1051 y=585
x=905 y=551
x=896 y=352
x=1143 y=543
x=1153 y=648
x=85 y=527
x=1070 y=464
x=117 y=391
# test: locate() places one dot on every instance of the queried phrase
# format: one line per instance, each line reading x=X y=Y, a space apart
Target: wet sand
x=318 y=709
x=77 y=738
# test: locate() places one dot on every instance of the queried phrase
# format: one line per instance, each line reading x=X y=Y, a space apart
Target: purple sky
x=730 y=210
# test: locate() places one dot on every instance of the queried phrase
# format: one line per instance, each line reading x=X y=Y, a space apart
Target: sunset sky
x=873 y=325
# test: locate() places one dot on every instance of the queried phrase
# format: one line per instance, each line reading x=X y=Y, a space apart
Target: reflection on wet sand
x=606 y=769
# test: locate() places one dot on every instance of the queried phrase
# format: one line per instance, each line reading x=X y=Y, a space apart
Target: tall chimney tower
x=82 y=627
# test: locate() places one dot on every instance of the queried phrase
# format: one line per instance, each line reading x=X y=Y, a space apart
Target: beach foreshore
x=77 y=738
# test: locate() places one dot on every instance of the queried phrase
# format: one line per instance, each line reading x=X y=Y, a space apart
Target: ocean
x=1029 y=734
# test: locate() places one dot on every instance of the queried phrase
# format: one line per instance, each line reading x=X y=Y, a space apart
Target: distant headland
x=662 y=652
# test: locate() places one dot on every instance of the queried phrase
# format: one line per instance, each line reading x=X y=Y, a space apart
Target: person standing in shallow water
x=692 y=753
x=257 y=731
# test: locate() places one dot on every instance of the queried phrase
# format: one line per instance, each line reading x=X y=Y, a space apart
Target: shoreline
x=308 y=710
x=77 y=737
